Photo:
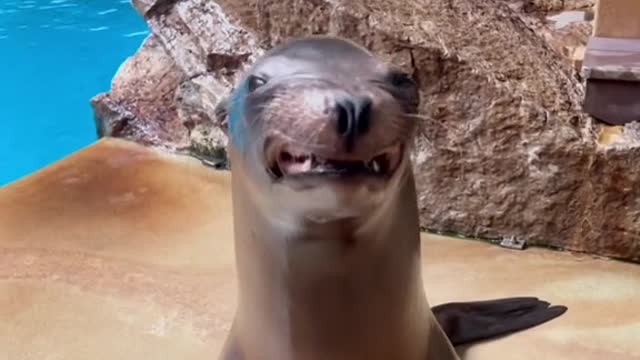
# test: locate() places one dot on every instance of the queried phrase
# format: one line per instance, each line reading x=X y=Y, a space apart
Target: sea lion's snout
x=333 y=132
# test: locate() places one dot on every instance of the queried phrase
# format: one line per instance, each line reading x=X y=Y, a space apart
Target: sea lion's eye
x=404 y=88
x=254 y=82
x=400 y=79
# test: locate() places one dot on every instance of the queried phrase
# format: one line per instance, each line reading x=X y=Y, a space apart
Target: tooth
x=375 y=165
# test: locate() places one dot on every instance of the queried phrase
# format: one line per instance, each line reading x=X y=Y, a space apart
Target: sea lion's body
x=319 y=299
x=325 y=215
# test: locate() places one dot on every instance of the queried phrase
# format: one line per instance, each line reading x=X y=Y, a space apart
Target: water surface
x=54 y=56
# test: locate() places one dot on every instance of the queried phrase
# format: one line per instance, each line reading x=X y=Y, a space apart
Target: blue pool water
x=54 y=56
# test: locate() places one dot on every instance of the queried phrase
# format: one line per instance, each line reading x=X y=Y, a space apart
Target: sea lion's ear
x=222 y=114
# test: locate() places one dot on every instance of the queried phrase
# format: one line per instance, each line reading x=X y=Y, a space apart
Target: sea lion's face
x=323 y=116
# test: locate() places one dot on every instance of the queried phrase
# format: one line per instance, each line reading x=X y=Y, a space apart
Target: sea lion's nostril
x=363 y=114
x=344 y=119
x=353 y=116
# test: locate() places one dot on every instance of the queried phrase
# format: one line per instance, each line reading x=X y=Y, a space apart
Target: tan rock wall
x=504 y=148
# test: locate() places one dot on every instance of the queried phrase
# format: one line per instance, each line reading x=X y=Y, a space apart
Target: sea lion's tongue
x=295 y=164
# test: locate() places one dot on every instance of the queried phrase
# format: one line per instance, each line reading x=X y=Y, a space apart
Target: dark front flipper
x=467 y=322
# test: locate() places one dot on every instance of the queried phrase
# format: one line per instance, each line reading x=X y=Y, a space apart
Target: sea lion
x=326 y=219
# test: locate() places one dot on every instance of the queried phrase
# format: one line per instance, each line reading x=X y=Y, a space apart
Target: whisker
x=430 y=119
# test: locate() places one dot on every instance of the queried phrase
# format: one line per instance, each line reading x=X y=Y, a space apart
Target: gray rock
x=504 y=148
x=141 y=102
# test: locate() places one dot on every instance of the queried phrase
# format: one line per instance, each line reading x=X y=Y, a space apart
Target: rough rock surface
x=156 y=102
x=557 y=5
x=144 y=86
x=504 y=149
x=565 y=25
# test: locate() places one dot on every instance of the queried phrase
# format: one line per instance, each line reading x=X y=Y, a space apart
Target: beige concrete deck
x=119 y=252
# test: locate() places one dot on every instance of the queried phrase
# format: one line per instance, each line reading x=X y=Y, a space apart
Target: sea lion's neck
x=326 y=291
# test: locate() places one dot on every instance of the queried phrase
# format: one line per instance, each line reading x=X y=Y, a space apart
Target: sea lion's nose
x=353 y=116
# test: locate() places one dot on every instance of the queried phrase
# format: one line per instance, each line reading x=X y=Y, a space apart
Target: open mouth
x=293 y=162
